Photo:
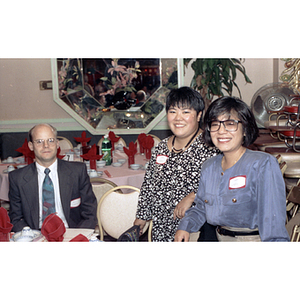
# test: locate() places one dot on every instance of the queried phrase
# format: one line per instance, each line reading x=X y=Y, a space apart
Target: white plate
x=17 y=237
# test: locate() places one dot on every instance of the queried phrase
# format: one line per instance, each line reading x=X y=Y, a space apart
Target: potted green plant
x=212 y=76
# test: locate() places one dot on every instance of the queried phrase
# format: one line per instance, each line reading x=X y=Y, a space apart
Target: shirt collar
x=41 y=169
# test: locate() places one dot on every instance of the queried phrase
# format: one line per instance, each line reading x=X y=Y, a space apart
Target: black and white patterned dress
x=166 y=184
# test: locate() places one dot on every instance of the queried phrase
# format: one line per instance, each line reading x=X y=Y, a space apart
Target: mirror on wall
x=126 y=95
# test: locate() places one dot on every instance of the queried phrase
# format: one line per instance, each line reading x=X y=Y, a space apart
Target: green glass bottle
x=106 y=150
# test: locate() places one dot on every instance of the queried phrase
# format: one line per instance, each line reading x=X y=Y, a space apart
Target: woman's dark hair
x=185 y=97
x=226 y=105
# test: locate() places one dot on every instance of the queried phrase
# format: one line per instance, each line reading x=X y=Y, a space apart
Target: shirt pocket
x=238 y=209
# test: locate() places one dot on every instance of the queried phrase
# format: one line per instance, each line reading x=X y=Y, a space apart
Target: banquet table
x=124 y=175
x=119 y=175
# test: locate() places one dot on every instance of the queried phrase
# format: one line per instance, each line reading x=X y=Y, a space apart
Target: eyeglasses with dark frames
x=229 y=125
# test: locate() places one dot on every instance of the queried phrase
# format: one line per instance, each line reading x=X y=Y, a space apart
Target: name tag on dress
x=161 y=159
x=237 y=182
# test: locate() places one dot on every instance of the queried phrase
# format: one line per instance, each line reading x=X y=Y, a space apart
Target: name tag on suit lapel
x=75 y=202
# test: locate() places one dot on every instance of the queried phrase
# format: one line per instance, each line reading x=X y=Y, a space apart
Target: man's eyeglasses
x=41 y=142
x=229 y=125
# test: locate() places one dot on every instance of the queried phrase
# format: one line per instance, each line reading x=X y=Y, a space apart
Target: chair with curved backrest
x=155 y=138
x=101 y=186
x=116 y=212
x=64 y=143
x=119 y=144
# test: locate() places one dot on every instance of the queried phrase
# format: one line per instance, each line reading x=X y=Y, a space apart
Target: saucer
x=17 y=237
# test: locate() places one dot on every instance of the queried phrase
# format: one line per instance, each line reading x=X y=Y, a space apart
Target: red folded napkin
x=58 y=154
x=130 y=152
x=5 y=225
x=79 y=238
x=113 y=139
x=148 y=143
x=141 y=137
x=92 y=156
x=28 y=154
x=53 y=228
x=83 y=139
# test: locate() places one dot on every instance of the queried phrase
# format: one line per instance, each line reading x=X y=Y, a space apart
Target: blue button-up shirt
x=250 y=194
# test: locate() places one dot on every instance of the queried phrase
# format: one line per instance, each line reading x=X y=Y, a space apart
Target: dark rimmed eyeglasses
x=229 y=125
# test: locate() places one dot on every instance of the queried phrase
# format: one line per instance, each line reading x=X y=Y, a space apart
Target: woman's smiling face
x=225 y=140
x=183 y=121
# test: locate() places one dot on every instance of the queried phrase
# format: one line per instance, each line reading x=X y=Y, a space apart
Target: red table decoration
x=53 y=228
x=148 y=143
x=141 y=137
x=79 y=238
x=28 y=154
x=92 y=156
x=83 y=139
x=58 y=155
x=5 y=225
x=130 y=152
x=113 y=139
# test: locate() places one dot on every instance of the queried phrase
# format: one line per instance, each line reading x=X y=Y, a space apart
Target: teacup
x=10 y=168
x=101 y=163
x=122 y=160
x=27 y=235
x=10 y=159
x=135 y=166
x=93 y=173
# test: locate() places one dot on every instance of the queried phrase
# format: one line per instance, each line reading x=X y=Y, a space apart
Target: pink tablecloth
x=123 y=175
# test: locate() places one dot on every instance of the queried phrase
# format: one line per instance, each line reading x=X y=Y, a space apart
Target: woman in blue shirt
x=241 y=191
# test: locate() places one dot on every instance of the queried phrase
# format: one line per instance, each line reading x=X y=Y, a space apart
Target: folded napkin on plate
x=92 y=156
x=148 y=143
x=5 y=225
x=28 y=154
x=83 y=140
x=53 y=228
x=140 y=138
x=79 y=238
x=130 y=152
x=113 y=139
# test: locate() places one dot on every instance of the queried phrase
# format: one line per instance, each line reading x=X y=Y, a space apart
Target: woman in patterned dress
x=173 y=173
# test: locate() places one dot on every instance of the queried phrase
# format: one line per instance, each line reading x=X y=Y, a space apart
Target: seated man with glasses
x=50 y=185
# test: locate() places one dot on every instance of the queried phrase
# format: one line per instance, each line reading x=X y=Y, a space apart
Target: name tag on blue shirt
x=237 y=182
